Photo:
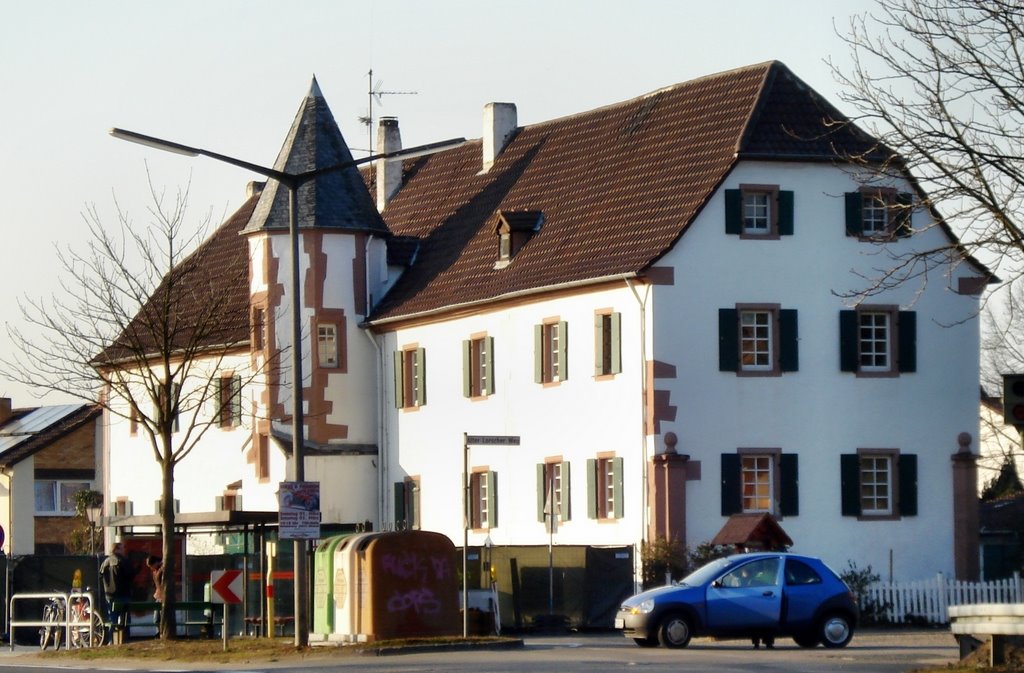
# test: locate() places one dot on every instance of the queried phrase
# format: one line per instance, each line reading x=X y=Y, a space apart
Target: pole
x=551 y=542
x=465 y=534
x=298 y=427
x=224 y=627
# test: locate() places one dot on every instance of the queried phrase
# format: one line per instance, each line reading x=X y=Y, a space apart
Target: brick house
x=47 y=454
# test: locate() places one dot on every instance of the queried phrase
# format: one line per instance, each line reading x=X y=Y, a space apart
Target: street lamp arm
x=408 y=153
x=185 y=150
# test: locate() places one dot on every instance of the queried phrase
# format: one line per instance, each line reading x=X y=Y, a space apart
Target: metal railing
x=72 y=618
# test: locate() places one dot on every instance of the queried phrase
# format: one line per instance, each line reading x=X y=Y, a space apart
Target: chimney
x=389 y=171
x=499 y=125
x=253 y=188
x=5 y=409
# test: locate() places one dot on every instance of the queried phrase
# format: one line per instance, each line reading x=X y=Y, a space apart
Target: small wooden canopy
x=753 y=532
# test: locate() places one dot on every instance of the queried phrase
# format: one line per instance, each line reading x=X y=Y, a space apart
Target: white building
x=668 y=301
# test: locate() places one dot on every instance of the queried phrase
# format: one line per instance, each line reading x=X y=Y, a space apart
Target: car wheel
x=674 y=631
x=646 y=642
x=835 y=631
x=807 y=640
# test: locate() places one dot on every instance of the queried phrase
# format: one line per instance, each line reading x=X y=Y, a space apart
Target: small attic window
x=514 y=229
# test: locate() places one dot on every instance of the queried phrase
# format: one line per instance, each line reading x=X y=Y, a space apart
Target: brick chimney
x=499 y=124
x=389 y=171
x=5 y=409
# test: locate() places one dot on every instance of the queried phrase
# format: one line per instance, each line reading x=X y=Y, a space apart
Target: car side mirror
x=717 y=584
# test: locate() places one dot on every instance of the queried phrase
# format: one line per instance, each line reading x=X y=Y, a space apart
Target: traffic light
x=1013 y=400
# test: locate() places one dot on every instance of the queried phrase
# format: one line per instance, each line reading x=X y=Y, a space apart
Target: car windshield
x=706 y=573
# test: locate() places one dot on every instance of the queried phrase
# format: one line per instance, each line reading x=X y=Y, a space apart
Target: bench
x=996 y=620
x=203 y=608
x=281 y=624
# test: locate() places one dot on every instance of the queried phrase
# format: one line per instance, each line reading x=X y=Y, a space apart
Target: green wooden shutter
x=908 y=484
x=849 y=484
x=907 y=337
x=733 y=211
x=236 y=400
x=399 y=379
x=492 y=499
x=789 y=351
x=616 y=319
x=400 y=521
x=618 y=480
x=728 y=340
x=789 y=500
x=489 y=360
x=538 y=353
x=467 y=368
x=421 y=367
x=848 y=344
x=598 y=344
x=563 y=351
x=542 y=491
x=591 y=488
x=785 y=203
x=901 y=222
x=732 y=500
x=854 y=220
x=566 y=509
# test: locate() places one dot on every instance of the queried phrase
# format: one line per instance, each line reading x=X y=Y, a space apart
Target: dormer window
x=514 y=229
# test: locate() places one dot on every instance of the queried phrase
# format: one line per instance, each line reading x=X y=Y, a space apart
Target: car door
x=747 y=597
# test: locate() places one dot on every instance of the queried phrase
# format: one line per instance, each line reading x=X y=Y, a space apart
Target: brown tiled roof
x=209 y=304
x=617 y=186
x=752 y=530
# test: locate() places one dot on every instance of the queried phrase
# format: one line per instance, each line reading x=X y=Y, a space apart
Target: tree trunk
x=168 y=625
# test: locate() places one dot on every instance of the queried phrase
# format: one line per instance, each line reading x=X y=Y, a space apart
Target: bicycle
x=86 y=628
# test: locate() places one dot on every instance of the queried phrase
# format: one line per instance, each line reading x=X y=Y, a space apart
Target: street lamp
x=291 y=182
x=94 y=514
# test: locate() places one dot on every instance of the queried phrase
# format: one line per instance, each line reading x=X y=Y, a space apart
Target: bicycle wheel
x=99 y=632
x=51 y=631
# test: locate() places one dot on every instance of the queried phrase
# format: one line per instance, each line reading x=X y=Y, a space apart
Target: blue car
x=758 y=596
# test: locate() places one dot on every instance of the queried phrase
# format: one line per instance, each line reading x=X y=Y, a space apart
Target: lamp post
x=291 y=182
x=93 y=513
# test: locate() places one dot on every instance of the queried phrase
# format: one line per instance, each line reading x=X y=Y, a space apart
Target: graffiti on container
x=409 y=565
x=422 y=601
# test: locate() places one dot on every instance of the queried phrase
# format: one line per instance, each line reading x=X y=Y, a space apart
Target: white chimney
x=389 y=171
x=499 y=125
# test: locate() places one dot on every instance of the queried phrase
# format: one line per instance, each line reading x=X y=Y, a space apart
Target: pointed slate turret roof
x=617 y=186
x=337 y=200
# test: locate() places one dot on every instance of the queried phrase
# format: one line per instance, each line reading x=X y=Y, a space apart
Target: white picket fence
x=928 y=600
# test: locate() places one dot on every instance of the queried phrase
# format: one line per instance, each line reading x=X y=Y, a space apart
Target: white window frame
x=757 y=483
x=875 y=340
x=757 y=212
x=877 y=471
x=327 y=345
x=757 y=339
x=57 y=486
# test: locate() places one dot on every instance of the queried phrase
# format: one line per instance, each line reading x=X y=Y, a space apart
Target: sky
x=228 y=76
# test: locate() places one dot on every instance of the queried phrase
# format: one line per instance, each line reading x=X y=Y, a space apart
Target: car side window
x=759 y=573
x=798 y=572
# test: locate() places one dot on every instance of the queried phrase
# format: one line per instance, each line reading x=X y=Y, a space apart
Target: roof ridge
x=665 y=89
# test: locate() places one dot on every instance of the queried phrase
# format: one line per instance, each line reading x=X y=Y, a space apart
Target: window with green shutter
x=878 y=213
x=410 y=378
x=607 y=346
x=758 y=211
x=758 y=340
x=878 y=483
x=605 y=497
x=551 y=347
x=760 y=480
x=877 y=341
x=483 y=501
x=554 y=490
x=478 y=366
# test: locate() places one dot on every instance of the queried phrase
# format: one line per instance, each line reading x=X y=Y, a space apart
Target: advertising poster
x=299 y=510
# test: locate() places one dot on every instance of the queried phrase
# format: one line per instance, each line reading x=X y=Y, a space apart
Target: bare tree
x=941 y=84
x=145 y=319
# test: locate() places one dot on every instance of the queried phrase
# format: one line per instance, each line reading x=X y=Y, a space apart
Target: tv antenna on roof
x=376 y=91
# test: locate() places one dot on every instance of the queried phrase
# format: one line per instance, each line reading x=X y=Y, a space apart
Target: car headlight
x=643 y=608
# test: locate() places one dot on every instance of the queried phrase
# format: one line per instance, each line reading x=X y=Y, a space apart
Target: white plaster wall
x=575 y=420
x=17 y=508
x=348 y=487
x=818 y=412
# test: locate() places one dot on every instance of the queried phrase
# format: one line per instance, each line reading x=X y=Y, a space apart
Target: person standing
x=116 y=576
